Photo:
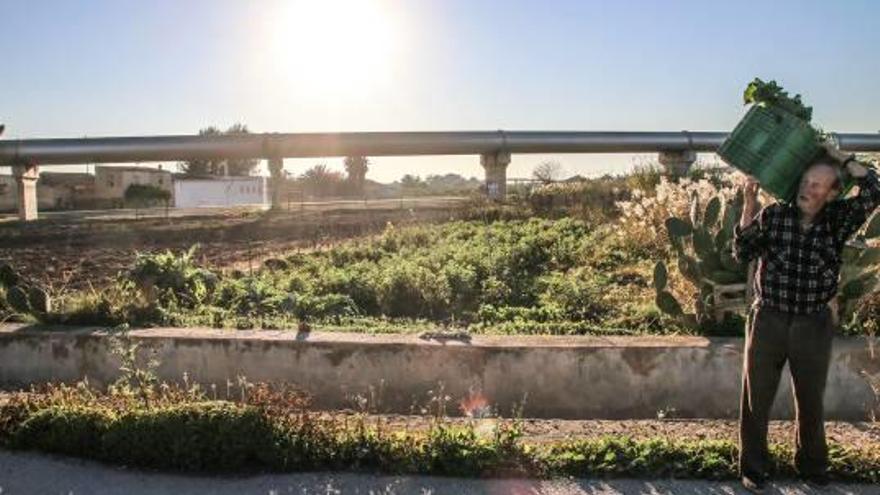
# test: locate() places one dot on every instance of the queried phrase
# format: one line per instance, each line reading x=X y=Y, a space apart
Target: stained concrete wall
x=563 y=377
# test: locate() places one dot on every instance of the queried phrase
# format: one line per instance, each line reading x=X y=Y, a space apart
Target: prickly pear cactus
x=39 y=301
x=664 y=299
x=860 y=273
x=8 y=277
x=702 y=243
x=17 y=299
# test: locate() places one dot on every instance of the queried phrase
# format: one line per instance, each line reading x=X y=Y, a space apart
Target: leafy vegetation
x=702 y=242
x=257 y=427
x=215 y=166
x=536 y=275
x=771 y=93
x=584 y=265
x=143 y=195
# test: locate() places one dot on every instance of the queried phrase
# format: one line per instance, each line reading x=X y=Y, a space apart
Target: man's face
x=816 y=189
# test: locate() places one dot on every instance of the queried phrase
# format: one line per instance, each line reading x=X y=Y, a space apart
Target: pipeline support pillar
x=26 y=179
x=677 y=163
x=495 y=165
x=276 y=181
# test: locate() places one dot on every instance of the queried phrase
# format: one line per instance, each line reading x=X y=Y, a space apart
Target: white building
x=220 y=191
x=112 y=181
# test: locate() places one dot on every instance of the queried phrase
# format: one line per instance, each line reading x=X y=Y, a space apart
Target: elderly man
x=799 y=250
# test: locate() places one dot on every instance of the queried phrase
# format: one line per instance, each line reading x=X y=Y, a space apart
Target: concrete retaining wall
x=564 y=377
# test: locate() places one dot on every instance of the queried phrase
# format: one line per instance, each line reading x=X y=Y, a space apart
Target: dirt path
x=857 y=434
x=28 y=473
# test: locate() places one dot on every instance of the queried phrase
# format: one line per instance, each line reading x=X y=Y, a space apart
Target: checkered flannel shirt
x=798 y=270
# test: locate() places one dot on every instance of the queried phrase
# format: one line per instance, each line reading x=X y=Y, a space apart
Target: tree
x=321 y=181
x=220 y=166
x=409 y=181
x=144 y=195
x=202 y=167
x=240 y=166
x=548 y=171
x=413 y=185
x=356 y=167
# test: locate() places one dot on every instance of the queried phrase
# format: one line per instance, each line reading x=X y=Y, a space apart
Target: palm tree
x=203 y=167
x=242 y=166
x=320 y=180
x=356 y=167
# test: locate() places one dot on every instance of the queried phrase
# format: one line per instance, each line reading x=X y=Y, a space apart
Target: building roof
x=218 y=178
x=66 y=178
x=130 y=168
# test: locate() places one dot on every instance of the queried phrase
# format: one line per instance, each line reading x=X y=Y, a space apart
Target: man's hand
x=854 y=168
x=833 y=150
x=750 y=201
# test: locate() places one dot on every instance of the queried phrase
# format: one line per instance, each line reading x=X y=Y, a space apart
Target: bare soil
x=854 y=434
x=72 y=254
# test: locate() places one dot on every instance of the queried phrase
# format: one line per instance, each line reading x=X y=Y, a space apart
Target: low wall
x=563 y=377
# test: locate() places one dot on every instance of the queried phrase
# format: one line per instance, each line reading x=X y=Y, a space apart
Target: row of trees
x=236 y=167
x=320 y=180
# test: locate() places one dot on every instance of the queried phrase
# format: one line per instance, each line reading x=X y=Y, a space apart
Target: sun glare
x=335 y=47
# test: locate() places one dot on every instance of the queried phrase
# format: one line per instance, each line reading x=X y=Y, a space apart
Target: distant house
x=111 y=182
x=65 y=191
x=55 y=191
x=219 y=191
x=8 y=193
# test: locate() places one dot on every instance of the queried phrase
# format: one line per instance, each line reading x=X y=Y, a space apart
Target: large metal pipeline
x=167 y=148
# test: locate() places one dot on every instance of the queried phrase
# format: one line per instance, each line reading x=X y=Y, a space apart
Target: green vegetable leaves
x=772 y=94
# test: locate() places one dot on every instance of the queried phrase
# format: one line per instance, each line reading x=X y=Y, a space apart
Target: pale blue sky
x=126 y=67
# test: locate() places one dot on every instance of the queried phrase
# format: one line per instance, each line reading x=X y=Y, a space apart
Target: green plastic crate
x=774 y=146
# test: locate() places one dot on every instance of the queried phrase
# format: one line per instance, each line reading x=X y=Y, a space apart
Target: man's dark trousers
x=773 y=337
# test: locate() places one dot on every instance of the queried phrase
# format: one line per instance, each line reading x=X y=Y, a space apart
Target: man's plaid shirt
x=798 y=270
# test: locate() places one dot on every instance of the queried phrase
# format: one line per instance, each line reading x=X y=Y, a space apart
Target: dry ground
x=73 y=254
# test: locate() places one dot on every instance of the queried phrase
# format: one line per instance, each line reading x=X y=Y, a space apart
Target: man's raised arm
x=750 y=236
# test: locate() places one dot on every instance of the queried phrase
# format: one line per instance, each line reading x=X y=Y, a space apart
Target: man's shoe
x=754 y=484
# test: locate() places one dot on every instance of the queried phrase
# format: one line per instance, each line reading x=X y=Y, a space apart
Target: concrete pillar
x=495 y=165
x=276 y=181
x=26 y=178
x=677 y=163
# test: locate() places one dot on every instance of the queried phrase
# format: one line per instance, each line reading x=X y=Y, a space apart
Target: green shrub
x=560 y=276
x=143 y=195
x=578 y=295
x=252 y=296
x=411 y=290
x=274 y=431
x=216 y=437
x=67 y=430
x=167 y=277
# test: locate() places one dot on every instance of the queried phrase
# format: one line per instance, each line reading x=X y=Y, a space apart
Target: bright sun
x=335 y=47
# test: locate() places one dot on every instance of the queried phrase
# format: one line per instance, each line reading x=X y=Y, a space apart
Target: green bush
x=209 y=436
x=559 y=276
x=276 y=431
x=143 y=195
x=71 y=430
x=167 y=277
x=409 y=289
